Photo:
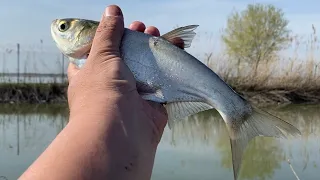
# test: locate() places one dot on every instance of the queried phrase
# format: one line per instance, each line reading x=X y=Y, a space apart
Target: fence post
x=18 y=62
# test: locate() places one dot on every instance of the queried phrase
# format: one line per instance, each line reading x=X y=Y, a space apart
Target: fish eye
x=63 y=26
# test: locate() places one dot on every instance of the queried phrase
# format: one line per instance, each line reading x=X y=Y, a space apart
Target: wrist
x=94 y=103
x=116 y=123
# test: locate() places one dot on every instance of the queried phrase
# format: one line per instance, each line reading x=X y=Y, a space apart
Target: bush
x=256 y=34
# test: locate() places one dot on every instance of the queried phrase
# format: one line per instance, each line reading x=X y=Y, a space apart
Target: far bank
x=50 y=93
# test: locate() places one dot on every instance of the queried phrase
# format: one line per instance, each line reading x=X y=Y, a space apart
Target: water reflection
x=197 y=148
x=24 y=133
x=264 y=158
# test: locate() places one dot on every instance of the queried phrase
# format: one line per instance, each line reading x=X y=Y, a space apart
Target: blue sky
x=27 y=22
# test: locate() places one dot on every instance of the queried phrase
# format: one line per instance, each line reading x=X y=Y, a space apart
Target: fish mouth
x=53 y=24
x=52 y=29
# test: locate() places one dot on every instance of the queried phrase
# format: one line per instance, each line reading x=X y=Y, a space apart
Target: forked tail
x=258 y=123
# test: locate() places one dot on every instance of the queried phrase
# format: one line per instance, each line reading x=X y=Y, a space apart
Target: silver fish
x=167 y=74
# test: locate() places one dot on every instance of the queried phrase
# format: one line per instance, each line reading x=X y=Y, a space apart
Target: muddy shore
x=56 y=93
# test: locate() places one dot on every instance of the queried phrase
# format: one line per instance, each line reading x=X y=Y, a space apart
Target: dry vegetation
x=33 y=93
x=282 y=79
x=293 y=72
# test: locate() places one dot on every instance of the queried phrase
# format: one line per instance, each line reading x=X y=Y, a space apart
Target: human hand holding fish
x=108 y=95
x=112 y=132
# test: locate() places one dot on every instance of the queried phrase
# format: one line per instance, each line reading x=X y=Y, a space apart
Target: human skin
x=112 y=132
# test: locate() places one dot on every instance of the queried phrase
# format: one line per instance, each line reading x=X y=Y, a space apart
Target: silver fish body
x=167 y=74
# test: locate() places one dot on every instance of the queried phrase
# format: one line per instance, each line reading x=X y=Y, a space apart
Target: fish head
x=74 y=36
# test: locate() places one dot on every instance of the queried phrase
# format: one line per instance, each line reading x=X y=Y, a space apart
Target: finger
x=108 y=35
x=161 y=120
x=137 y=26
x=72 y=71
x=152 y=31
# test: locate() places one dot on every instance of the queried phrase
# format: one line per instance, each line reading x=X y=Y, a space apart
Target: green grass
x=26 y=109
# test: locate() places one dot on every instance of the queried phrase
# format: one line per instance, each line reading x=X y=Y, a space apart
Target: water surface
x=198 y=147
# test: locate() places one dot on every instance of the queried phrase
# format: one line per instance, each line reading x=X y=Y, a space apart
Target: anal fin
x=179 y=110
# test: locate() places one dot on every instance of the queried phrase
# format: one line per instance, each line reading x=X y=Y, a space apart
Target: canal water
x=198 y=147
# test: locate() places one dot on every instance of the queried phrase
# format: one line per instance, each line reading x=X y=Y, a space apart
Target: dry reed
x=286 y=72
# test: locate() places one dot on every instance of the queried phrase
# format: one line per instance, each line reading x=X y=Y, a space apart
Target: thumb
x=108 y=36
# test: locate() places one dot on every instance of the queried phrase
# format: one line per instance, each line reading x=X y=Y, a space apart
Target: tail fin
x=258 y=123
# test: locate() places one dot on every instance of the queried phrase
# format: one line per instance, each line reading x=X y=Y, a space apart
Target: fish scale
x=169 y=75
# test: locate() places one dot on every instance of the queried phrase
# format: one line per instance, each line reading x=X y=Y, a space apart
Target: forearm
x=97 y=146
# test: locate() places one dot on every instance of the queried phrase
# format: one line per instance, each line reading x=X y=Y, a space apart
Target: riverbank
x=281 y=96
x=55 y=93
x=33 y=93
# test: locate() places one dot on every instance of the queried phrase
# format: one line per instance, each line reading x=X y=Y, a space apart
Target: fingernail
x=113 y=10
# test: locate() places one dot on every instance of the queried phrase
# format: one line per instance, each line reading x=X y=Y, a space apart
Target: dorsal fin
x=182 y=36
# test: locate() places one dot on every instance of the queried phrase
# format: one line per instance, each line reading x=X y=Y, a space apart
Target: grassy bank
x=56 y=93
x=33 y=93
x=269 y=84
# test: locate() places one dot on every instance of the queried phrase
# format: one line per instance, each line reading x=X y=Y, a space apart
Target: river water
x=198 y=147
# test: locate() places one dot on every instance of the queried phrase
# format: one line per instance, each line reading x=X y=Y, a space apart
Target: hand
x=112 y=132
x=104 y=91
x=105 y=77
x=115 y=71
